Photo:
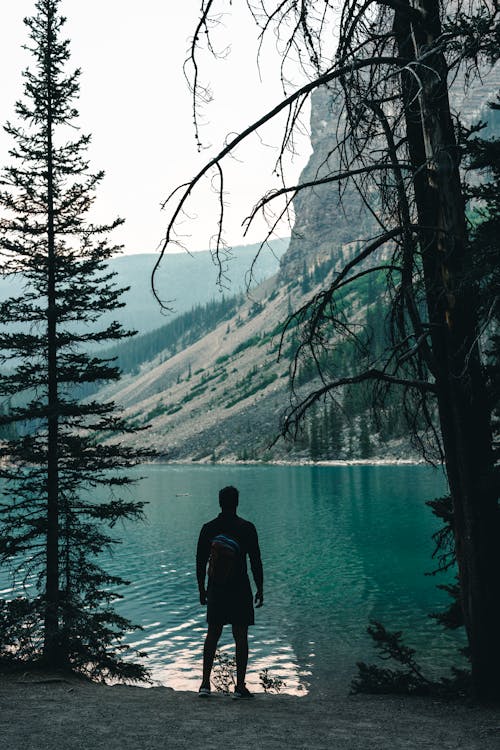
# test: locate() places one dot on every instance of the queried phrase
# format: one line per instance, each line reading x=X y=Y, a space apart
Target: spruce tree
x=65 y=455
x=482 y=158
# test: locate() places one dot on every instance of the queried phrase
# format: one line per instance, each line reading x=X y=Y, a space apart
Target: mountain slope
x=185 y=280
x=223 y=395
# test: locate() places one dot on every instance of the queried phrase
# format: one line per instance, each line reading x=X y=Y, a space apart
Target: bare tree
x=396 y=142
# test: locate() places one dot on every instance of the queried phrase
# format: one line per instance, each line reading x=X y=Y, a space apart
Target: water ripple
x=341 y=546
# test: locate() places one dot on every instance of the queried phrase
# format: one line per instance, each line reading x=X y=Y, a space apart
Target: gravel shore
x=42 y=712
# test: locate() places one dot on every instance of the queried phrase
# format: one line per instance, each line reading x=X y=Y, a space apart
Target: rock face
x=470 y=100
x=325 y=226
x=326 y=217
x=222 y=397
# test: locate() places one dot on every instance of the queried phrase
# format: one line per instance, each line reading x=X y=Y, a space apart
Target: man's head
x=228 y=498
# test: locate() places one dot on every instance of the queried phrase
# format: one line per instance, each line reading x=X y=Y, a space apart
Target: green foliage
x=246 y=344
x=193 y=393
x=224 y=676
x=365 y=445
x=159 y=409
x=171 y=338
x=374 y=679
x=314 y=436
x=483 y=159
x=409 y=678
x=305 y=283
x=20 y=620
x=270 y=683
x=248 y=389
x=223 y=672
x=255 y=309
x=55 y=524
x=444 y=552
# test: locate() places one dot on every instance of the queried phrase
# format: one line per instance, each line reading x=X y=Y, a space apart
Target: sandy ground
x=38 y=713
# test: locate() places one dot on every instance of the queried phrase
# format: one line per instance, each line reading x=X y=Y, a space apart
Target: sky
x=135 y=102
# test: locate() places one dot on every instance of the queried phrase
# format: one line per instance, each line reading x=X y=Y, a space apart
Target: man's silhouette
x=224 y=543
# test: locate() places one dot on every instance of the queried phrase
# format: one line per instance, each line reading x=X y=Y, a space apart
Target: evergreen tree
x=365 y=446
x=483 y=156
x=305 y=284
x=53 y=522
x=314 y=437
x=335 y=430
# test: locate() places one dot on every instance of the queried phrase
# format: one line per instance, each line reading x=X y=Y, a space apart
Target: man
x=224 y=544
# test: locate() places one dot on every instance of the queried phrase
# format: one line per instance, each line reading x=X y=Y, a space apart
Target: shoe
x=242 y=693
x=204 y=692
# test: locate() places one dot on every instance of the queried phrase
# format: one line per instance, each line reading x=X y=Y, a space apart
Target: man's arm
x=202 y=554
x=256 y=565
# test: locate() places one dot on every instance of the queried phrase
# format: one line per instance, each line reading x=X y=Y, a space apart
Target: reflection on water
x=340 y=546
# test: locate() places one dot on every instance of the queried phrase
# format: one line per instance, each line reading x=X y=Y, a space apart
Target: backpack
x=224 y=561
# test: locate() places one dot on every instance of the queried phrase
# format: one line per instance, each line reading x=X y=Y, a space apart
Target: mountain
x=327 y=221
x=185 y=280
x=216 y=387
x=222 y=396
x=218 y=390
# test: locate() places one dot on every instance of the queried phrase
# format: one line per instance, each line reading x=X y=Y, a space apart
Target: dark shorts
x=230 y=604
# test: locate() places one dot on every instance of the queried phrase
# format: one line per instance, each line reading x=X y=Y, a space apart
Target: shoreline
x=300 y=462
x=43 y=712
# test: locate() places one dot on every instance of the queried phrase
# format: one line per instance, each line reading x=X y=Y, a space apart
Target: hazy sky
x=136 y=103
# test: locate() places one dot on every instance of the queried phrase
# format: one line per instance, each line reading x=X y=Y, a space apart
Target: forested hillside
x=188 y=280
x=215 y=383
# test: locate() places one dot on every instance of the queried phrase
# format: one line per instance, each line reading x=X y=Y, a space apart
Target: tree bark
x=452 y=300
x=52 y=645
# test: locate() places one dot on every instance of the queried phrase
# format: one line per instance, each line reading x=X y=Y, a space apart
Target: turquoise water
x=340 y=546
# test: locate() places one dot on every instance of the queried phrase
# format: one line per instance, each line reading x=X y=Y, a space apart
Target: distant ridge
x=188 y=280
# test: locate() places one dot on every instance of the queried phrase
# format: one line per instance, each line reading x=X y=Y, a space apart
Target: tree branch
x=330 y=75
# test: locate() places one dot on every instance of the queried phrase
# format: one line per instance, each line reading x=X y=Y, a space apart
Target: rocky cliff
x=327 y=218
x=223 y=396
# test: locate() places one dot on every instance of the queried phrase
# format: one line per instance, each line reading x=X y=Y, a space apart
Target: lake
x=340 y=545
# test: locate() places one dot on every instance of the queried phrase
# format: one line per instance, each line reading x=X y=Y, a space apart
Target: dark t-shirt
x=230 y=603
x=243 y=532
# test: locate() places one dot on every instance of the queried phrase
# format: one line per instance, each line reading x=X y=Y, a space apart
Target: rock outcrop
x=222 y=397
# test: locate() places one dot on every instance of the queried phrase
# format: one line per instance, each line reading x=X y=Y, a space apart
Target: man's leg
x=209 y=649
x=240 y=633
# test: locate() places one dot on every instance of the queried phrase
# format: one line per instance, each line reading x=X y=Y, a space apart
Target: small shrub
x=269 y=683
x=173 y=409
x=224 y=672
x=252 y=341
x=224 y=676
x=374 y=679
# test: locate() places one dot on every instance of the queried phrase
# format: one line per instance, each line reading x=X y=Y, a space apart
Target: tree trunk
x=452 y=309
x=52 y=646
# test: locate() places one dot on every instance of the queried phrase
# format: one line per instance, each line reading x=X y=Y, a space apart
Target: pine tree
x=53 y=520
x=305 y=284
x=483 y=156
x=365 y=446
x=335 y=430
x=314 y=437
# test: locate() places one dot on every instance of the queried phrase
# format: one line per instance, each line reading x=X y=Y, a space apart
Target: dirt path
x=37 y=714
